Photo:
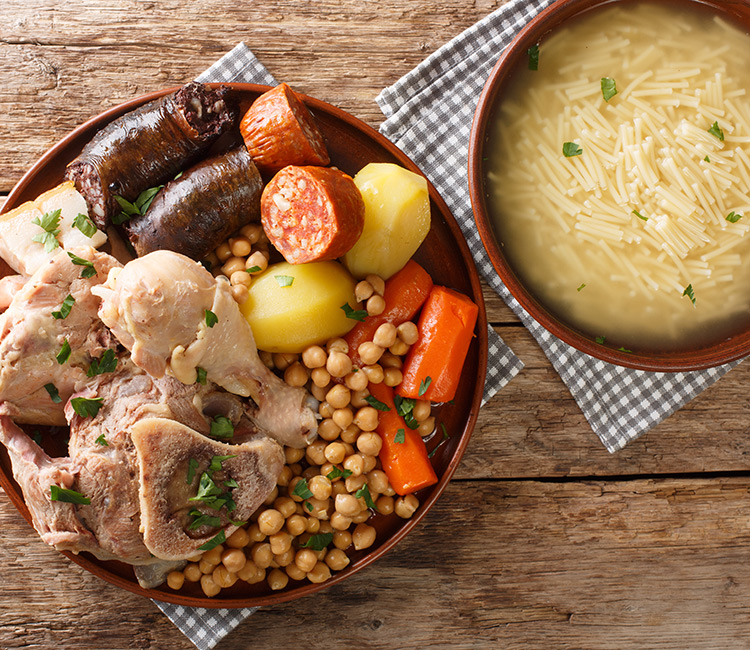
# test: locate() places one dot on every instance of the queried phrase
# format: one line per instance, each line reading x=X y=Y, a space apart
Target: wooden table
x=543 y=540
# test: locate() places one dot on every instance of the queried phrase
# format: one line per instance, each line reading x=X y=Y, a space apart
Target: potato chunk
x=397 y=219
x=292 y=306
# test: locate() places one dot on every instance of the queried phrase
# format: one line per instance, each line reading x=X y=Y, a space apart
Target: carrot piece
x=433 y=365
x=404 y=294
x=405 y=463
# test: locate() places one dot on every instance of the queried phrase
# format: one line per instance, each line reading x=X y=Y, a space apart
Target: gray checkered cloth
x=206 y=627
x=434 y=103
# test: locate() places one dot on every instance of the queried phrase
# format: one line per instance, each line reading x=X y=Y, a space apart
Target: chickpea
x=336 y=559
x=339 y=521
x=175 y=580
x=363 y=291
x=350 y=434
x=354 y=483
x=282 y=360
x=271 y=497
x=377 y=480
x=315 y=452
x=347 y=505
x=370 y=352
x=254 y=534
x=294 y=572
x=328 y=429
x=369 y=443
x=320 y=486
x=223 y=577
x=313 y=525
x=356 y=380
x=266 y=358
x=223 y=252
x=233 y=559
x=240 y=293
x=281 y=542
x=192 y=572
x=262 y=555
x=295 y=375
x=286 y=506
x=286 y=558
x=408 y=333
x=284 y=476
x=325 y=410
x=314 y=356
x=321 y=378
x=310 y=472
x=375 y=305
x=426 y=427
x=392 y=377
x=231 y=265
x=342 y=539
x=214 y=555
x=385 y=336
x=339 y=364
x=378 y=284
x=339 y=396
x=335 y=452
x=270 y=521
x=390 y=360
x=370 y=463
x=306 y=559
x=338 y=488
x=293 y=455
x=251 y=232
x=366 y=419
x=337 y=344
x=212 y=259
x=277 y=579
x=238 y=539
x=248 y=571
x=240 y=277
x=406 y=506
x=355 y=464
x=318 y=392
x=374 y=373
x=296 y=525
x=209 y=586
x=359 y=398
x=363 y=516
x=342 y=417
x=240 y=246
x=384 y=505
x=399 y=348
x=319 y=573
x=319 y=507
x=363 y=536
x=422 y=410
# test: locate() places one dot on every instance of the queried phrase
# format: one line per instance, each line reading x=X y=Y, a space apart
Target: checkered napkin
x=429 y=113
x=206 y=627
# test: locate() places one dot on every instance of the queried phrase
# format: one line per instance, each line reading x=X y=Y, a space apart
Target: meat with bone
x=162 y=308
x=171 y=514
x=194 y=213
x=31 y=337
x=149 y=146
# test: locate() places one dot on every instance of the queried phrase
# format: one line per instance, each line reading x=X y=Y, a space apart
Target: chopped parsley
x=253 y=269
x=284 y=280
x=377 y=404
x=533 y=53
x=87 y=407
x=580 y=288
x=400 y=437
x=217 y=463
x=707 y=159
x=58 y=493
x=211 y=318
x=67 y=305
x=318 y=542
x=88 y=270
x=733 y=217
x=137 y=207
x=221 y=427
x=364 y=491
x=424 y=385
x=192 y=469
x=200 y=375
x=689 y=293
x=600 y=339
x=106 y=363
x=49 y=224
x=621 y=349
x=639 y=215
x=609 y=89
x=213 y=543
x=301 y=490
x=102 y=441
x=309 y=506
x=64 y=354
x=571 y=149
x=53 y=393
x=199 y=519
x=338 y=473
x=84 y=224
x=354 y=314
x=405 y=407
x=716 y=131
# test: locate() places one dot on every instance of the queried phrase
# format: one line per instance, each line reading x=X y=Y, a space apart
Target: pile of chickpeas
x=271 y=546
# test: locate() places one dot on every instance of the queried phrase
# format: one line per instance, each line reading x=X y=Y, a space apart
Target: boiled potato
x=292 y=306
x=397 y=219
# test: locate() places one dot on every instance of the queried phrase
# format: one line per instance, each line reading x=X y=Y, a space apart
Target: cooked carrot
x=405 y=463
x=405 y=292
x=433 y=365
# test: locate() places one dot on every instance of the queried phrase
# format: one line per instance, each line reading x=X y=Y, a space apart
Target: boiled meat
x=162 y=308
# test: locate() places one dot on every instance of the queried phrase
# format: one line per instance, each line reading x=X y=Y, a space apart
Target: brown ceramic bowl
x=545 y=23
x=444 y=253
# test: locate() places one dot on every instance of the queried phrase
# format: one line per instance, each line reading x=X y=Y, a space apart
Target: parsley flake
x=87 y=407
x=639 y=215
x=354 y=314
x=141 y=204
x=85 y=225
x=364 y=491
x=609 y=89
x=400 y=437
x=58 y=493
x=64 y=354
x=689 y=293
x=221 y=427
x=213 y=543
x=218 y=461
x=405 y=407
x=707 y=159
x=424 y=385
x=571 y=149
x=49 y=224
x=301 y=490
x=53 y=393
x=253 y=269
x=102 y=441
x=716 y=131
x=67 y=305
x=192 y=469
x=338 y=473
x=106 y=363
x=200 y=519
x=581 y=287
x=200 y=375
x=318 y=542
x=88 y=270
x=533 y=53
x=377 y=404
x=600 y=339
x=211 y=318
x=284 y=280
x=733 y=217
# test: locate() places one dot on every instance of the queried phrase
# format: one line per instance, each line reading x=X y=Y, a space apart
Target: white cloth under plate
x=206 y=627
x=429 y=113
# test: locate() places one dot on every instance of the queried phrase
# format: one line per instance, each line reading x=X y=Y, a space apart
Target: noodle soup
x=618 y=176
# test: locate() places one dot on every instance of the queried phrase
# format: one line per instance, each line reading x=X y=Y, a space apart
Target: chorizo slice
x=148 y=146
x=197 y=211
x=279 y=130
x=312 y=213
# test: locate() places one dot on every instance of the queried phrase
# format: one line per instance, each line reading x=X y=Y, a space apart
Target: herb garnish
x=338 y=473
x=600 y=339
x=87 y=407
x=64 y=354
x=284 y=280
x=580 y=288
x=49 y=224
x=715 y=130
x=89 y=269
x=689 y=293
x=318 y=542
x=84 y=224
x=192 y=469
x=354 y=314
x=707 y=159
x=213 y=543
x=200 y=375
x=218 y=461
x=201 y=519
x=364 y=491
x=400 y=437
x=424 y=385
x=733 y=217
x=139 y=206
x=571 y=149
x=101 y=441
x=639 y=215
x=621 y=349
x=53 y=393
x=377 y=404
x=106 y=363
x=253 y=269
x=404 y=407
x=58 y=493
x=609 y=89
x=211 y=318
x=301 y=490
x=221 y=427
x=67 y=305
x=533 y=53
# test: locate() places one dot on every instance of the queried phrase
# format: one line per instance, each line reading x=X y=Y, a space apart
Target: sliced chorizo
x=148 y=146
x=312 y=213
x=197 y=211
x=279 y=130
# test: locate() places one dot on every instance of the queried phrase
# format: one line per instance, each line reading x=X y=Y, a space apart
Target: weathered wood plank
x=600 y=565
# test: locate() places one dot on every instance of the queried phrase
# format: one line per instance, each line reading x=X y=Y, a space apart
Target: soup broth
x=628 y=216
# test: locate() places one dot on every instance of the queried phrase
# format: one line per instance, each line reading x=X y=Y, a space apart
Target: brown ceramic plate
x=352 y=144
x=709 y=355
